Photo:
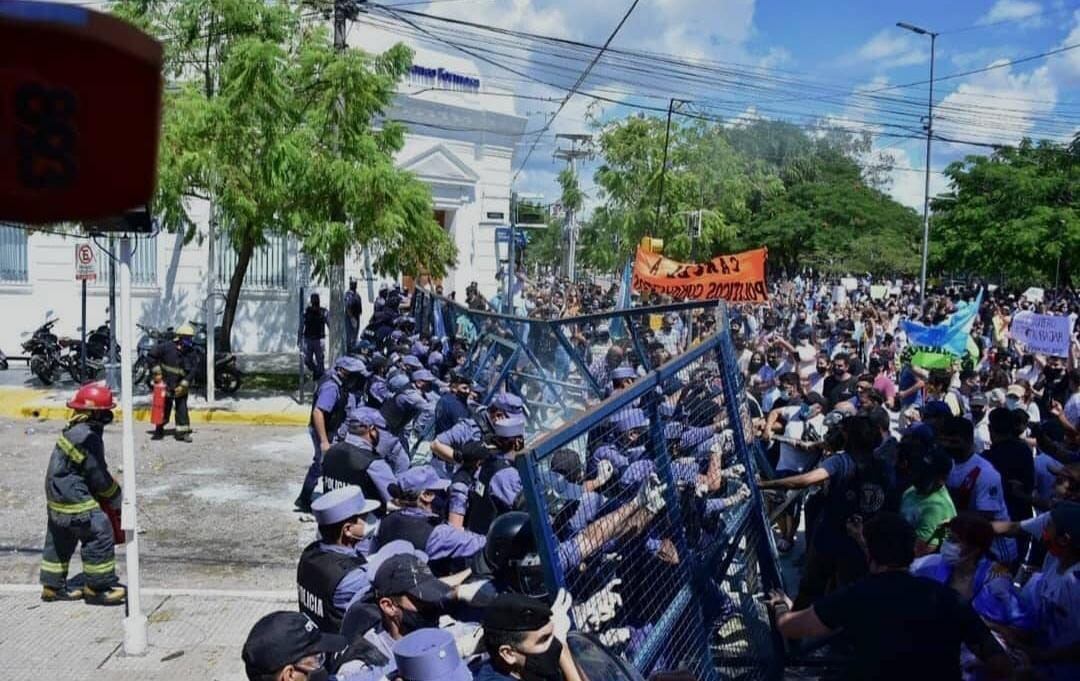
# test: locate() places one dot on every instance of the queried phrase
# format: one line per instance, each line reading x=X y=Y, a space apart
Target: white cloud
x=998 y=107
x=1027 y=13
x=890 y=48
x=906 y=182
x=1065 y=67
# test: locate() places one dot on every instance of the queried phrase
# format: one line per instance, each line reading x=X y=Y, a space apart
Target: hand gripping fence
x=641 y=490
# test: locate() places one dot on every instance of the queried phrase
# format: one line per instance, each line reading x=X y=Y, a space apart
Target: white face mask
x=951 y=552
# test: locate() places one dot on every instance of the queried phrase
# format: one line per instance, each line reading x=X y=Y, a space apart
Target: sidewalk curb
x=26 y=403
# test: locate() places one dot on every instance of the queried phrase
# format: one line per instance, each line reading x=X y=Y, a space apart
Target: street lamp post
x=929 y=137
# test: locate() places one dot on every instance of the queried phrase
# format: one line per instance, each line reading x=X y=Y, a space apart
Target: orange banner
x=736 y=278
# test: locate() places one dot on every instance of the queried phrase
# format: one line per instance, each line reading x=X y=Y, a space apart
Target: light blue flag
x=951 y=335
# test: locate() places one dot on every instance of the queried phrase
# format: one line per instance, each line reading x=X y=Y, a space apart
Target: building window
x=13 y=254
x=143 y=261
x=267 y=270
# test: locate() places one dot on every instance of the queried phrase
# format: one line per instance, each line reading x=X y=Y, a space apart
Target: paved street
x=216 y=513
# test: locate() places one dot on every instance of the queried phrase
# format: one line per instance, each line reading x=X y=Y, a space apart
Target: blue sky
x=849 y=46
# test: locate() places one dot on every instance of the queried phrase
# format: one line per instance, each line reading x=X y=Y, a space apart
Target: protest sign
x=850 y=283
x=737 y=278
x=878 y=291
x=1045 y=333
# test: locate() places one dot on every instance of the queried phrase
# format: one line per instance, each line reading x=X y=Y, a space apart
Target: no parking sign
x=85 y=263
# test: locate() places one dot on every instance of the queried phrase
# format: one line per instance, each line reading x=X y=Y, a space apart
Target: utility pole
x=571 y=156
x=210 y=312
x=663 y=168
x=929 y=137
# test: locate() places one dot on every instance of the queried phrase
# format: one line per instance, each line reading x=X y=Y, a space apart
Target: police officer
x=328 y=410
x=622 y=377
x=354 y=307
x=377 y=390
x=471 y=456
x=331 y=570
x=630 y=426
x=78 y=489
x=430 y=654
x=454 y=405
x=409 y=405
x=315 y=323
x=356 y=460
x=497 y=484
x=480 y=427
x=417 y=491
x=286 y=645
x=175 y=362
x=524 y=640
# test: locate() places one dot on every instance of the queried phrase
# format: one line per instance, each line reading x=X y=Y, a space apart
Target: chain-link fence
x=639 y=478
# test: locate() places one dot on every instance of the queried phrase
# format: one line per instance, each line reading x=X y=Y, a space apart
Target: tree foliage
x=265 y=119
x=810 y=199
x=1012 y=213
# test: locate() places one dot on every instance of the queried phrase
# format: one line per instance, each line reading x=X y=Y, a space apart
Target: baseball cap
x=407 y=574
x=1016 y=390
x=978 y=400
x=516 y=612
x=283 y=638
x=420 y=479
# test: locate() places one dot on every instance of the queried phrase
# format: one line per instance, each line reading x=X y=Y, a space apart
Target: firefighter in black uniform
x=331 y=569
x=175 y=362
x=78 y=489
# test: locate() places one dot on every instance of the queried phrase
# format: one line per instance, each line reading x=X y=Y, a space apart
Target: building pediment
x=439 y=165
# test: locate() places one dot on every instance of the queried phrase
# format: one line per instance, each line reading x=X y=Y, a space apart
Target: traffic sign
x=85 y=263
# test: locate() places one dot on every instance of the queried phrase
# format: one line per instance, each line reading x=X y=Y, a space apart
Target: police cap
x=516 y=612
x=283 y=638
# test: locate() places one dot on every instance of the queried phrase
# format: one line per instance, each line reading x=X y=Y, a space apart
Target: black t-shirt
x=1013 y=460
x=837 y=390
x=903 y=627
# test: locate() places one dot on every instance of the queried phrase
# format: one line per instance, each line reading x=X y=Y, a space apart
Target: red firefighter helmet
x=92 y=396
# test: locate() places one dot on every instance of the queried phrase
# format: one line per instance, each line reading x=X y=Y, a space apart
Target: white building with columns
x=462 y=138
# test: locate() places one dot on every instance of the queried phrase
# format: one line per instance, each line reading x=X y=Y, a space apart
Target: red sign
x=736 y=278
x=80 y=105
x=85 y=265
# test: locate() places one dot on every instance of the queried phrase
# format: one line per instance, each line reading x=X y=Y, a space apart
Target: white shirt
x=1072 y=409
x=807 y=356
x=982 y=434
x=1054 y=597
x=986 y=496
x=817 y=382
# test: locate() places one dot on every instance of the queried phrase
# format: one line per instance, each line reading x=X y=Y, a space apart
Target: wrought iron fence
x=639 y=477
x=13 y=253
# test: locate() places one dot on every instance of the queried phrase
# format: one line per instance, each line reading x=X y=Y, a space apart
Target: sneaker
x=116 y=595
x=65 y=593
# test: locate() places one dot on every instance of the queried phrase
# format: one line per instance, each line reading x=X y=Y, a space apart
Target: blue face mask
x=804 y=412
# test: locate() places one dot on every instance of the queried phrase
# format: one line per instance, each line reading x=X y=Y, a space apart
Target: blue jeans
x=315 y=356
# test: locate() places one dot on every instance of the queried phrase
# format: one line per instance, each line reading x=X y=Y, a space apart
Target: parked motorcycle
x=227 y=376
x=44 y=352
x=98 y=343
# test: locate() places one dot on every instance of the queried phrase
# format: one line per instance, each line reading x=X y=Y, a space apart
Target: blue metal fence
x=642 y=495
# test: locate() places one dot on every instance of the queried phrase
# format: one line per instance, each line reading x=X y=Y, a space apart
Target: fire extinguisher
x=157 y=404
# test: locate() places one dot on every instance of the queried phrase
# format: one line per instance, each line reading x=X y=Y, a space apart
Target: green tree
x=1012 y=213
x=546 y=245
x=272 y=126
x=830 y=218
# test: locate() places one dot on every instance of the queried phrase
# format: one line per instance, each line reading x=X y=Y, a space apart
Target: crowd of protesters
x=934 y=513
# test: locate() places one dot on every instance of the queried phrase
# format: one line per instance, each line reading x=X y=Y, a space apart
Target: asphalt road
x=214 y=514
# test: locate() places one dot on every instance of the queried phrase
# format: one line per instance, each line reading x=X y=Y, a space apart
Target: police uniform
x=471 y=455
x=330 y=574
x=283 y=638
x=497 y=483
x=446 y=546
x=623 y=422
x=354 y=461
x=176 y=365
x=354 y=308
x=332 y=400
x=315 y=321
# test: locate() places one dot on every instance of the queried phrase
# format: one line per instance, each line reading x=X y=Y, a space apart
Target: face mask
x=785 y=394
x=951 y=552
x=414 y=621
x=755 y=364
x=104 y=417
x=804 y=412
x=839 y=371
x=544 y=666
x=1053 y=547
x=1012 y=403
x=1052 y=373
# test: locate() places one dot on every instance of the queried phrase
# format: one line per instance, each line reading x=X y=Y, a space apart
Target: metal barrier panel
x=641 y=490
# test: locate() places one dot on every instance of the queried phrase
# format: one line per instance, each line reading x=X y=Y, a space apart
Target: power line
x=580 y=80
